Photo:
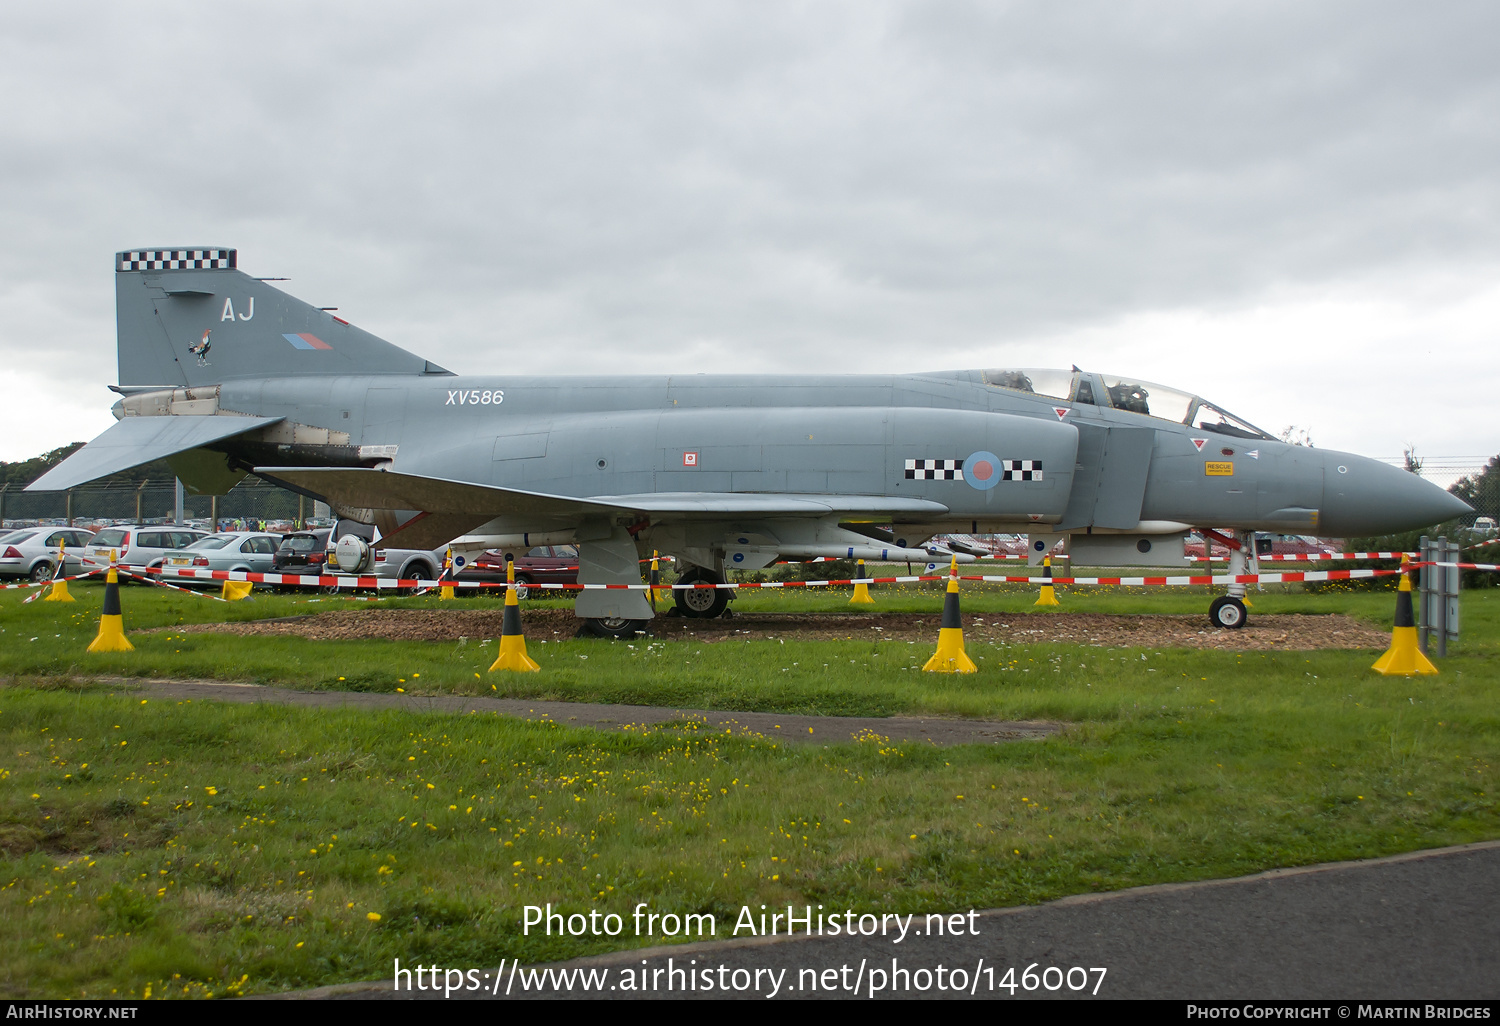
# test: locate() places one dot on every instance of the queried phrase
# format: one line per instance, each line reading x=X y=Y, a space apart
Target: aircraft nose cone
x=1364 y=497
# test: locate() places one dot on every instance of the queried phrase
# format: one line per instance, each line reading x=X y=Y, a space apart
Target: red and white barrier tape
x=1292 y=577
x=1310 y=557
x=50 y=581
x=163 y=584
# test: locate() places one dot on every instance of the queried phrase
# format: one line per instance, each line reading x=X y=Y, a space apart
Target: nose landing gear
x=1228 y=611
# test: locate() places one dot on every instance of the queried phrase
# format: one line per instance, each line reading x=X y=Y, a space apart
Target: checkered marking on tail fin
x=934 y=470
x=1021 y=470
x=175 y=260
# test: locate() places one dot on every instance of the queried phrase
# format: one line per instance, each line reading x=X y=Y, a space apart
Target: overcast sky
x=1290 y=208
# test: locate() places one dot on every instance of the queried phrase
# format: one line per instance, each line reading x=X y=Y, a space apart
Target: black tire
x=41 y=572
x=700 y=603
x=615 y=627
x=418 y=571
x=1227 y=613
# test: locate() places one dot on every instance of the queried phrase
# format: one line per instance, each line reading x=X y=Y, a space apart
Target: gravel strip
x=1283 y=631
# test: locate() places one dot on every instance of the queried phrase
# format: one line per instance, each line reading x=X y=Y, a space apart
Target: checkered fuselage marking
x=953 y=470
x=934 y=470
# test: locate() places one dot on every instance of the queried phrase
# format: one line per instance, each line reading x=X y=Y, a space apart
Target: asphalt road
x=1421 y=925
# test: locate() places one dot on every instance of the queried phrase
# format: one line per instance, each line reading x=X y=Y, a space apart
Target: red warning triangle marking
x=1061 y=411
x=1198 y=443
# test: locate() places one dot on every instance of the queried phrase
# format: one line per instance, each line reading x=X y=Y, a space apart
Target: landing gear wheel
x=522 y=587
x=701 y=603
x=1227 y=612
x=615 y=627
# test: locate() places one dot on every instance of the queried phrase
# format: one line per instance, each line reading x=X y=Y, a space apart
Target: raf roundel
x=982 y=470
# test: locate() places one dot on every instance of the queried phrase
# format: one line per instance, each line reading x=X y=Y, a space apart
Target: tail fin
x=191 y=317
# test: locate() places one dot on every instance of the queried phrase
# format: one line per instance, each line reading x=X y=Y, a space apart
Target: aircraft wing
x=384 y=489
x=717 y=504
x=138 y=440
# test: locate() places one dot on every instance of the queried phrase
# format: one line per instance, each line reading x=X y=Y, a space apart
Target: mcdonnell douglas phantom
x=225 y=375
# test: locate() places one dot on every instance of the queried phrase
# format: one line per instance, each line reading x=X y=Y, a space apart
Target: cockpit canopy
x=1129 y=394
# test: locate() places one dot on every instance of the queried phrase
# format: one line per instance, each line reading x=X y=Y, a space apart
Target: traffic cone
x=59 y=590
x=861 y=590
x=1404 y=658
x=1048 y=596
x=656 y=588
x=446 y=591
x=235 y=590
x=950 y=657
x=111 y=624
x=512 y=654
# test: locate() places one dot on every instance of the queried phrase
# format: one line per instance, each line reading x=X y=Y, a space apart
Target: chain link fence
x=250 y=500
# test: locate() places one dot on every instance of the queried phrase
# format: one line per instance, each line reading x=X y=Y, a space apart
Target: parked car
x=34 y=552
x=140 y=545
x=239 y=551
x=301 y=552
x=354 y=549
x=541 y=564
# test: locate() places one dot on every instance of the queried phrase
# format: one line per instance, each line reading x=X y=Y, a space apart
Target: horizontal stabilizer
x=382 y=489
x=135 y=441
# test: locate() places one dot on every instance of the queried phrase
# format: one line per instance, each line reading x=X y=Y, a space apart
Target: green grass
x=227 y=849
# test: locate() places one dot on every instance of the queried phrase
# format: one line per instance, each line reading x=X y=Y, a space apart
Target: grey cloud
x=632 y=187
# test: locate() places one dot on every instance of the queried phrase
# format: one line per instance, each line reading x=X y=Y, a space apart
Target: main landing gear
x=701 y=603
x=615 y=627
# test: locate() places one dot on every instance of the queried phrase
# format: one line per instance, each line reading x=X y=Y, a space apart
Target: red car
x=1265 y=545
x=541 y=564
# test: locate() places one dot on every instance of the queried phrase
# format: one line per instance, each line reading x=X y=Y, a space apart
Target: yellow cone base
x=513 y=655
x=1404 y=658
x=1048 y=597
x=234 y=591
x=861 y=596
x=59 y=593
x=950 y=657
x=111 y=635
x=445 y=592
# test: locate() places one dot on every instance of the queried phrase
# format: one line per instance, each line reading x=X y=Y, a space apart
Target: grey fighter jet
x=723 y=472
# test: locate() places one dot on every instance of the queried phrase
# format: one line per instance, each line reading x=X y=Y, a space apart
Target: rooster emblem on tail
x=201 y=349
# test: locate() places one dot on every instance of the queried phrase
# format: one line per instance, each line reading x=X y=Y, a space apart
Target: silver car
x=243 y=551
x=140 y=545
x=366 y=557
x=34 y=552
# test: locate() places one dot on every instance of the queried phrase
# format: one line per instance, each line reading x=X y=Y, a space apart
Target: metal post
x=1450 y=599
x=177 y=502
x=139 y=495
x=3 y=489
x=1440 y=598
x=1424 y=593
x=301 y=511
x=69 y=507
x=213 y=512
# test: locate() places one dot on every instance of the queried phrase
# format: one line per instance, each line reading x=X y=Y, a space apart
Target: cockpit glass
x=1055 y=384
x=1138 y=396
x=1208 y=417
